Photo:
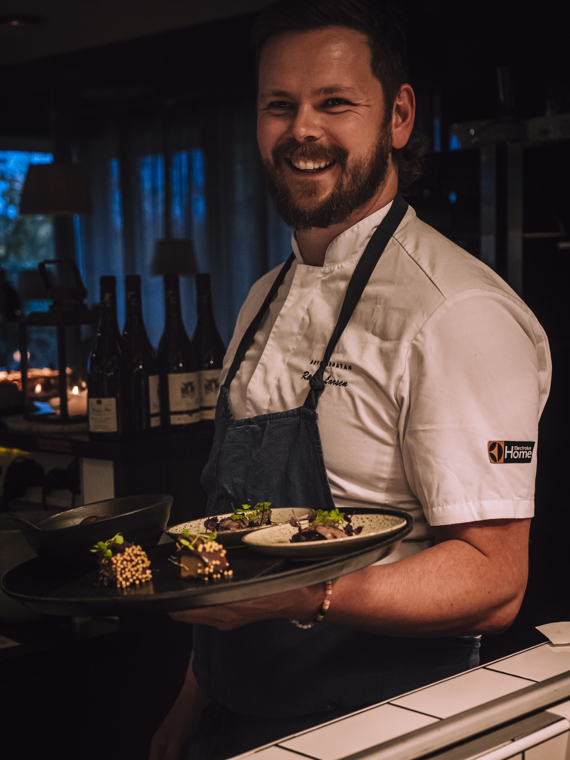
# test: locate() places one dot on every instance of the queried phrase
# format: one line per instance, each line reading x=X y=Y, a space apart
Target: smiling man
x=381 y=365
x=326 y=149
x=325 y=131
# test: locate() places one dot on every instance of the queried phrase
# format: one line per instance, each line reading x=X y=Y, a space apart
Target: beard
x=357 y=185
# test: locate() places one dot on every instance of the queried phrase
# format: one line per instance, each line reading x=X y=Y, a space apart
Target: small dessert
x=324 y=526
x=121 y=562
x=245 y=516
x=201 y=557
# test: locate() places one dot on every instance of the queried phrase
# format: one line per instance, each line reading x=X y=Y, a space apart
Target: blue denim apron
x=273 y=669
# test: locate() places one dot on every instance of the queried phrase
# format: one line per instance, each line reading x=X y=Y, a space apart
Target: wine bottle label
x=209 y=389
x=153 y=394
x=184 y=398
x=103 y=415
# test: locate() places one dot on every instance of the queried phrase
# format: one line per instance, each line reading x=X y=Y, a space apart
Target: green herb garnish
x=103 y=547
x=185 y=535
x=247 y=512
x=333 y=518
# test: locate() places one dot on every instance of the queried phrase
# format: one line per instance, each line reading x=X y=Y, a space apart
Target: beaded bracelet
x=323 y=609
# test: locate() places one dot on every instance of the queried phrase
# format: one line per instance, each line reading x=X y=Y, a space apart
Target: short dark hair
x=383 y=23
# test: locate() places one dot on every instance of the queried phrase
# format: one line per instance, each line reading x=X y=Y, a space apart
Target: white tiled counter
x=517 y=708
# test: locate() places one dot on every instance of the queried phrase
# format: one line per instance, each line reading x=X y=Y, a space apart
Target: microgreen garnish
x=334 y=517
x=184 y=539
x=104 y=546
x=245 y=516
x=324 y=525
x=247 y=512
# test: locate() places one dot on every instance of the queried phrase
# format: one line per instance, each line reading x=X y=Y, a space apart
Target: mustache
x=292 y=149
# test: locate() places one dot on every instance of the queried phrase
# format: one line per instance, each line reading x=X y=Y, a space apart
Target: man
x=437 y=361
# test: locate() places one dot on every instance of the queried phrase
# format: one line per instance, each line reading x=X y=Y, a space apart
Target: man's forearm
x=451 y=588
x=471 y=582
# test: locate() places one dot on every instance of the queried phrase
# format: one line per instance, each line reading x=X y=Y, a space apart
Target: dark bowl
x=62 y=541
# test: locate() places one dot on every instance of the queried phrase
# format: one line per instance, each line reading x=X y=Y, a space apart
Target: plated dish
x=50 y=591
x=276 y=540
x=234 y=537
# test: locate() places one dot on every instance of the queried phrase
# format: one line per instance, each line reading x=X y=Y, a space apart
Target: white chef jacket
x=440 y=360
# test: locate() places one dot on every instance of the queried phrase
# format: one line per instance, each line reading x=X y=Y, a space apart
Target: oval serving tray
x=50 y=591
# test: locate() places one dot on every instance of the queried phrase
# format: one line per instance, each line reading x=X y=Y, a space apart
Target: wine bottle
x=177 y=363
x=140 y=363
x=105 y=373
x=209 y=347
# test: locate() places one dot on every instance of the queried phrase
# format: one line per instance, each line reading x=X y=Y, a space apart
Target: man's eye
x=278 y=105
x=332 y=102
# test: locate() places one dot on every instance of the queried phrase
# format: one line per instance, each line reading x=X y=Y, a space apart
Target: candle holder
x=62 y=385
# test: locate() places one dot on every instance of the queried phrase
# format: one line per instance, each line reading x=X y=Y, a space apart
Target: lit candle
x=76 y=402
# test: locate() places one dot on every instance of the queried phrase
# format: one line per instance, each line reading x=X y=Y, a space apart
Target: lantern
x=59 y=339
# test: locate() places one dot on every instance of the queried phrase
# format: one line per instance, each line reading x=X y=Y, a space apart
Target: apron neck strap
x=249 y=334
x=358 y=282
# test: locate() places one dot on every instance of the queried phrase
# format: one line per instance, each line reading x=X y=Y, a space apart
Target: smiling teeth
x=309 y=165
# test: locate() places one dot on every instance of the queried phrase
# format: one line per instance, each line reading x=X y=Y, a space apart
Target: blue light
x=115 y=191
x=198 y=173
x=452 y=197
x=13 y=167
x=437 y=134
x=454 y=143
x=43 y=407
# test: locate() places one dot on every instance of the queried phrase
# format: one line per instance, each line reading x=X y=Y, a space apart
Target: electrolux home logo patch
x=508 y=452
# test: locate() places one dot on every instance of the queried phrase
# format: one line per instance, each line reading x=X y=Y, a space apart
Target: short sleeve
x=476 y=381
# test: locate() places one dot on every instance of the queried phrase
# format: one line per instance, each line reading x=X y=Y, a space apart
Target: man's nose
x=307 y=124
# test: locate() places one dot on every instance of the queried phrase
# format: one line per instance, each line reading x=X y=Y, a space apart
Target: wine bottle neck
x=204 y=307
x=172 y=303
x=134 y=315
x=108 y=313
x=205 y=312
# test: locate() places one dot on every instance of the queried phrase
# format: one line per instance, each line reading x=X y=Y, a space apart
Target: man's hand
x=302 y=604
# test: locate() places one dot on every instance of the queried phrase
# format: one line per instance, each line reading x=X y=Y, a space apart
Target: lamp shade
x=55 y=190
x=174 y=256
x=31 y=286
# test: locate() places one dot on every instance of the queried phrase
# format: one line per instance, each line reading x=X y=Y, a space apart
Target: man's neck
x=313 y=243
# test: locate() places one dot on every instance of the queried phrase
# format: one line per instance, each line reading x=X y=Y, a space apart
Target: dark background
x=454 y=54
x=105 y=698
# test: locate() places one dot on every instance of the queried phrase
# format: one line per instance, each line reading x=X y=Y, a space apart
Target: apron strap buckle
x=316 y=382
x=317 y=386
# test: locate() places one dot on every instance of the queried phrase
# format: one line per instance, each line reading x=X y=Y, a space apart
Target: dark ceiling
x=455 y=50
x=34 y=29
x=178 y=67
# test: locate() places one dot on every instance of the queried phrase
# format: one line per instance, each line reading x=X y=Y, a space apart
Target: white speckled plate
x=277 y=539
x=234 y=537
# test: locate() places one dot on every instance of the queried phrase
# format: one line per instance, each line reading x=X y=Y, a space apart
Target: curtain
x=217 y=198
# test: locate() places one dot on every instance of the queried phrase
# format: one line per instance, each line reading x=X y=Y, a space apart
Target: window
x=24 y=242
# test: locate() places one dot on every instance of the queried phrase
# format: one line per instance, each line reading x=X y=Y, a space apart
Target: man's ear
x=403 y=115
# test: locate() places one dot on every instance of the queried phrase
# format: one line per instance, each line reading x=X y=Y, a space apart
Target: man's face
x=323 y=130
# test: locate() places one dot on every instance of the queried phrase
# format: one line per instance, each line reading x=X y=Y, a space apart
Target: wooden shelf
x=168 y=462
x=79 y=444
